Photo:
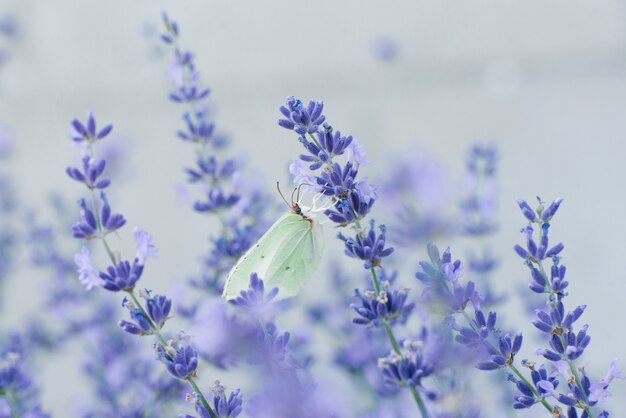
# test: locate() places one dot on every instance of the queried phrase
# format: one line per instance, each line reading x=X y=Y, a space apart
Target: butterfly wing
x=298 y=254
x=284 y=257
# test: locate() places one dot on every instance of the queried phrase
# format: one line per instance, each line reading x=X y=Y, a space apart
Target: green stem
x=155 y=329
x=392 y=339
x=420 y=402
x=531 y=386
x=12 y=403
x=396 y=347
x=570 y=363
x=511 y=366
x=196 y=389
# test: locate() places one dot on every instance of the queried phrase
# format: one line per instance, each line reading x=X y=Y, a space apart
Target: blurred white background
x=545 y=81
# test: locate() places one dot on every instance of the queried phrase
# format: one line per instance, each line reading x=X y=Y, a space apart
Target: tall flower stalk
x=97 y=222
x=352 y=200
x=224 y=193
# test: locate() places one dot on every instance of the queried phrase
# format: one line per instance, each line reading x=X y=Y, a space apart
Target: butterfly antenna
x=295 y=189
x=300 y=187
x=281 y=194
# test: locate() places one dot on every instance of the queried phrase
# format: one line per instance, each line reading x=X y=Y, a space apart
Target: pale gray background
x=545 y=81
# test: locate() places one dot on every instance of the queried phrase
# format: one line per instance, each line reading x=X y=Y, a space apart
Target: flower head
x=406 y=368
x=87 y=131
x=301 y=119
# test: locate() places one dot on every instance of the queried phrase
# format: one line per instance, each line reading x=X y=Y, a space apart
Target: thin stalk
x=196 y=389
x=155 y=330
x=396 y=347
x=512 y=367
x=12 y=404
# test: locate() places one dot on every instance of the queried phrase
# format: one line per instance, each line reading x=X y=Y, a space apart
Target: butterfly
x=284 y=257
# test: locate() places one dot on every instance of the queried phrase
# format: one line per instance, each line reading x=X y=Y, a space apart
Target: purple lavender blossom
x=368 y=247
x=220 y=181
x=406 y=368
x=387 y=306
x=87 y=132
x=180 y=359
x=442 y=280
x=122 y=276
x=352 y=200
x=91 y=170
x=18 y=395
x=300 y=119
x=255 y=299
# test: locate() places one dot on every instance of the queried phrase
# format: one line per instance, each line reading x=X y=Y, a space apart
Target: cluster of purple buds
x=505 y=354
x=18 y=396
x=300 y=119
x=87 y=132
x=254 y=299
x=369 y=247
x=352 y=199
x=188 y=88
x=199 y=129
x=223 y=406
x=480 y=204
x=441 y=278
x=478 y=331
x=406 y=368
x=179 y=357
x=544 y=384
x=90 y=174
x=386 y=306
x=226 y=406
x=157 y=307
x=565 y=344
x=88 y=228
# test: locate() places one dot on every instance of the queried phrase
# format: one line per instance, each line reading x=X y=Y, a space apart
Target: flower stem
x=12 y=403
x=196 y=389
x=396 y=347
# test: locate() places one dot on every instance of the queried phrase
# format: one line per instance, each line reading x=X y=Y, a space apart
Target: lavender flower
x=442 y=280
x=368 y=247
x=122 y=276
x=352 y=200
x=386 y=306
x=406 y=368
x=300 y=119
x=255 y=299
x=220 y=181
x=18 y=395
x=226 y=407
x=87 y=132
x=89 y=175
x=180 y=359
